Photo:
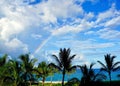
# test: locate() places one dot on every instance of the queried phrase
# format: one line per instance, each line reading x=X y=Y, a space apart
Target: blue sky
x=90 y=28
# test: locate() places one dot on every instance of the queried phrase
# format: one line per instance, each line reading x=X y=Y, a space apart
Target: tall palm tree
x=89 y=76
x=27 y=67
x=110 y=65
x=43 y=71
x=63 y=62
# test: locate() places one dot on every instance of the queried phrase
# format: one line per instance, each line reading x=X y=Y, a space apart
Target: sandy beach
x=53 y=81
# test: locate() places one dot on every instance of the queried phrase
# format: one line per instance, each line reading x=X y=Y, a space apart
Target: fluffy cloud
x=55 y=9
x=105 y=33
x=16 y=18
x=108 y=18
x=108 y=22
x=102 y=17
x=13 y=47
x=110 y=34
x=81 y=45
x=113 y=22
x=9 y=28
x=19 y=16
x=56 y=18
x=36 y=36
x=84 y=25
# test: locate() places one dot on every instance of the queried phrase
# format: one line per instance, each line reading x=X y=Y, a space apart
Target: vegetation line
x=23 y=72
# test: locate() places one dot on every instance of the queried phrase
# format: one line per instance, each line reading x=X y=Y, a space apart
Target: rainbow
x=42 y=44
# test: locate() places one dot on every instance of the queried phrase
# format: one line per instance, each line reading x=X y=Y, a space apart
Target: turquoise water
x=78 y=74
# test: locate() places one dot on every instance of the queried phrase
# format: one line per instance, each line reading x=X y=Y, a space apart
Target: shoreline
x=53 y=82
x=66 y=81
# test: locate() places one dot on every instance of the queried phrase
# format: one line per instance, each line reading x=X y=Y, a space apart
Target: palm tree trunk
x=51 y=81
x=43 y=81
x=63 y=77
x=30 y=83
x=110 y=78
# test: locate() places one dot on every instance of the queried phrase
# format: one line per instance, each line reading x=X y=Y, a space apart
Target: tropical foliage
x=43 y=71
x=89 y=76
x=63 y=62
x=110 y=65
x=23 y=72
x=27 y=68
x=3 y=68
x=15 y=71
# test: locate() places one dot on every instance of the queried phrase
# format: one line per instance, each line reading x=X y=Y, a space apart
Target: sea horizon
x=57 y=77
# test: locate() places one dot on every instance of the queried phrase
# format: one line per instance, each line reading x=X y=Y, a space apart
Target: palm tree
x=110 y=65
x=43 y=71
x=27 y=67
x=89 y=76
x=63 y=62
x=15 y=70
x=3 y=68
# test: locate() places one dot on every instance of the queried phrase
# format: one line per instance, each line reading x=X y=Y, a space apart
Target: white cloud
x=89 y=32
x=109 y=34
x=105 y=33
x=109 y=18
x=113 y=22
x=63 y=30
x=13 y=47
x=36 y=36
x=9 y=27
x=79 y=59
x=17 y=17
x=81 y=45
x=104 y=16
x=89 y=16
x=83 y=25
x=54 y=9
x=68 y=8
x=13 y=43
x=90 y=45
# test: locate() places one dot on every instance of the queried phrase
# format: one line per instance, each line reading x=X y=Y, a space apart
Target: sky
x=90 y=28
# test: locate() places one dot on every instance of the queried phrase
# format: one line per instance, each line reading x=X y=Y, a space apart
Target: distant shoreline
x=53 y=82
x=66 y=81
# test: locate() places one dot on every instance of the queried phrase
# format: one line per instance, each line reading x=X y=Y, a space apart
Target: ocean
x=78 y=74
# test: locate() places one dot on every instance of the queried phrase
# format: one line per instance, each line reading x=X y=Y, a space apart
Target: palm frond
x=33 y=60
x=118 y=75
x=91 y=65
x=73 y=80
x=104 y=69
x=84 y=70
x=102 y=64
x=115 y=65
x=100 y=77
x=71 y=57
x=112 y=60
x=55 y=66
x=57 y=60
x=116 y=68
x=72 y=68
